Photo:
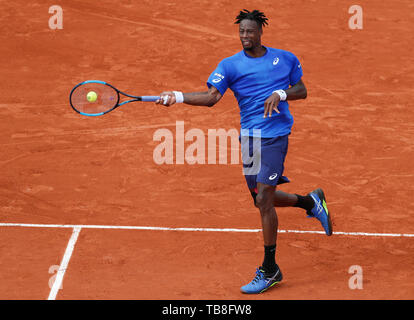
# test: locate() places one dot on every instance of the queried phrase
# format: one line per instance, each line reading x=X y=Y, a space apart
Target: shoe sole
x=265 y=289
x=321 y=196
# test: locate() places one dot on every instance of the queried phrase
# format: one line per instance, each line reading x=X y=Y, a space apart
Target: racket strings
x=106 y=98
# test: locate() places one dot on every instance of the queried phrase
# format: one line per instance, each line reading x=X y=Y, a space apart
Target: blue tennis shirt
x=252 y=81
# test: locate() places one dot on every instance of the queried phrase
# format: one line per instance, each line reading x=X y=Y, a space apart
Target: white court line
x=64 y=264
x=365 y=234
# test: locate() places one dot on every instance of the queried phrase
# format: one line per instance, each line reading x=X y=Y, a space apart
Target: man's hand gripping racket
x=168 y=98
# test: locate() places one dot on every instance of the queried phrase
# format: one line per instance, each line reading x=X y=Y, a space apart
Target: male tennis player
x=262 y=80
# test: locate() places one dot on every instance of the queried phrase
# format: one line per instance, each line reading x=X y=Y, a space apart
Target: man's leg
x=265 y=203
x=313 y=203
x=284 y=199
x=269 y=273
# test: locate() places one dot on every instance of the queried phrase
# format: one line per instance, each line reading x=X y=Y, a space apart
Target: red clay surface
x=30 y=258
x=353 y=136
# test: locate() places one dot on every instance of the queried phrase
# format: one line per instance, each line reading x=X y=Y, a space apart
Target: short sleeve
x=296 y=72
x=219 y=78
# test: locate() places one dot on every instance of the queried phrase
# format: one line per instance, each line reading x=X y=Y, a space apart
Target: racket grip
x=149 y=98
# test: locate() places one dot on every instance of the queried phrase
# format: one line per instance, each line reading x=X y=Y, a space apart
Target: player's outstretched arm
x=208 y=98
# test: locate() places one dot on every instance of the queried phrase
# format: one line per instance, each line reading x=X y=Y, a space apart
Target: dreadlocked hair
x=255 y=15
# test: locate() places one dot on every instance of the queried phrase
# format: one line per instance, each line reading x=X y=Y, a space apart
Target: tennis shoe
x=262 y=282
x=320 y=210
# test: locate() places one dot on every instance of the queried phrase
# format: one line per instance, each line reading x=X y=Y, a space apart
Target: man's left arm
x=295 y=92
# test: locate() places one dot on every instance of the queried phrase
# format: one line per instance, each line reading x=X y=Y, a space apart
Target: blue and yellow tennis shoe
x=320 y=210
x=262 y=282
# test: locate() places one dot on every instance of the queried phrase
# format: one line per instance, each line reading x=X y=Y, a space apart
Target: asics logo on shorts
x=276 y=61
x=273 y=176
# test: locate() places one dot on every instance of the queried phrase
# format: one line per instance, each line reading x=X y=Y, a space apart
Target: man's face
x=250 y=34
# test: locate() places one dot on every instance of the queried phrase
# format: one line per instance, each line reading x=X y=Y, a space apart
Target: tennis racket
x=95 y=98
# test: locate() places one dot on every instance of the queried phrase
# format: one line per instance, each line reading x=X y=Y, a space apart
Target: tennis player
x=263 y=80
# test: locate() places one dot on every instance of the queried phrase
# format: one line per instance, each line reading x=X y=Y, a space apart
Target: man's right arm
x=208 y=98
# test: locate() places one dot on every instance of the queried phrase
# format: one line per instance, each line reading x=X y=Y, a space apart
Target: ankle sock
x=305 y=202
x=269 y=263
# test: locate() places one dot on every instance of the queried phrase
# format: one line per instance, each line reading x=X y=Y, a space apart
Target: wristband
x=179 y=97
x=282 y=94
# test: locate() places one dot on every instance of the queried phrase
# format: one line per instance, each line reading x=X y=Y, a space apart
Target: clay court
x=84 y=205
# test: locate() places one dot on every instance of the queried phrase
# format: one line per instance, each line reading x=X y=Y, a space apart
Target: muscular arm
x=208 y=98
x=296 y=92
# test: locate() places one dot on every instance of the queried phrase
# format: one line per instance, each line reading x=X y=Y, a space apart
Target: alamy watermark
x=56 y=20
x=53 y=269
x=355 y=21
x=197 y=147
x=356 y=280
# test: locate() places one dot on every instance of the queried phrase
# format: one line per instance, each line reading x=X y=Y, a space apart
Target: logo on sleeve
x=218 y=77
x=276 y=61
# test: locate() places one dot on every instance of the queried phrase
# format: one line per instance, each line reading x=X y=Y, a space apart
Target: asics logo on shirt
x=276 y=61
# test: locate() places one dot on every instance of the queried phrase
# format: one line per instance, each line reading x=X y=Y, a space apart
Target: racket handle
x=149 y=98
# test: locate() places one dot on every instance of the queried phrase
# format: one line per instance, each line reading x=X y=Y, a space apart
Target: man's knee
x=264 y=199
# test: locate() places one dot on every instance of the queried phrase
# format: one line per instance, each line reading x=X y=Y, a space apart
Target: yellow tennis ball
x=91 y=96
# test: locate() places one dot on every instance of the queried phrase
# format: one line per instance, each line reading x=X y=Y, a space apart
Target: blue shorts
x=267 y=165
